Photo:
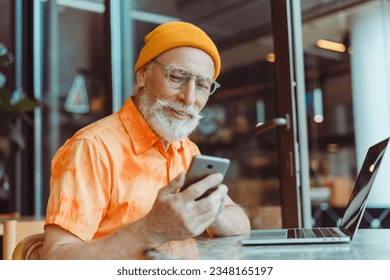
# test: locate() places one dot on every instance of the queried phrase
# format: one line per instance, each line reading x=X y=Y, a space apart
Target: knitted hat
x=173 y=35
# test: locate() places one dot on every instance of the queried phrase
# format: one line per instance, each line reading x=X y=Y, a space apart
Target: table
x=368 y=244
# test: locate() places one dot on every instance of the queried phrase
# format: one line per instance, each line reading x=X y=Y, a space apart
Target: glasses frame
x=169 y=69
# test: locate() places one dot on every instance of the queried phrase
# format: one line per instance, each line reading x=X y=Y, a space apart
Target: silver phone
x=202 y=166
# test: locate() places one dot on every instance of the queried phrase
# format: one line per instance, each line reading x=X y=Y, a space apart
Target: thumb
x=175 y=184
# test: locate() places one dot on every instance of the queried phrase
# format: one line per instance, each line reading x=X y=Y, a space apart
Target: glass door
x=71 y=77
x=347 y=70
x=8 y=51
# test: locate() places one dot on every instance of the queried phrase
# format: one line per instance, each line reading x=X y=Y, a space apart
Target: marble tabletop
x=368 y=244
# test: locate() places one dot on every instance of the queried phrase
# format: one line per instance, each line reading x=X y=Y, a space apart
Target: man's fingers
x=200 y=187
x=174 y=185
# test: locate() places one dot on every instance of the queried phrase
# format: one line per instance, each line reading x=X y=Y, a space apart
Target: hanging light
x=317 y=106
x=330 y=45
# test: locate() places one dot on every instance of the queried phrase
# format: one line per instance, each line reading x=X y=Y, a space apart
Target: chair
x=15 y=231
x=29 y=248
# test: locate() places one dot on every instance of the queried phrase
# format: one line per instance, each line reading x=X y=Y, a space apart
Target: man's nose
x=188 y=92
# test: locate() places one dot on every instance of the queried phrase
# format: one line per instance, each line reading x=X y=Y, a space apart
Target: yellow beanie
x=173 y=35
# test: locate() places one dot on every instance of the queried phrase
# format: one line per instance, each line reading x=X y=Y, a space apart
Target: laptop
x=350 y=221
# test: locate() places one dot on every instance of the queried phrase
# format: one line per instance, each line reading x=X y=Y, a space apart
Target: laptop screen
x=358 y=200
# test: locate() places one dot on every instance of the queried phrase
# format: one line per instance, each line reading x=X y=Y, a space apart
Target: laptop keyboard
x=311 y=233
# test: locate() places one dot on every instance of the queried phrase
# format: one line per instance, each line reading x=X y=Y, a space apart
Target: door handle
x=277 y=122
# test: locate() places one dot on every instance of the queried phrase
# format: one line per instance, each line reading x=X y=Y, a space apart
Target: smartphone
x=202 y=166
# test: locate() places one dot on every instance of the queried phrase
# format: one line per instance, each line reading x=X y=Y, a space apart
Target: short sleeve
x=79 y=188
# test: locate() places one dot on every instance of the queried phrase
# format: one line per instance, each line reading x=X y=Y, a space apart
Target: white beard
x=168 y=128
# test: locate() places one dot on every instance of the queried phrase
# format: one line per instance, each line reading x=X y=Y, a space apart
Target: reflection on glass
x=358 y=200
x=73 y=78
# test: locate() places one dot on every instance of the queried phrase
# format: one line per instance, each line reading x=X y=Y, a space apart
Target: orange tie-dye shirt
x=108 y=174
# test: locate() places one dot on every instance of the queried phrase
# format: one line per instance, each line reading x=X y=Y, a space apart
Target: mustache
x=177 y=106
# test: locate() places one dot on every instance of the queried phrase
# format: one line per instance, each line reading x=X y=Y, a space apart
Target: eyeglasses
x=178 y=77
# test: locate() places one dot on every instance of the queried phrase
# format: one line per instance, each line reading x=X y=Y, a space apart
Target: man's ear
x=141 y=77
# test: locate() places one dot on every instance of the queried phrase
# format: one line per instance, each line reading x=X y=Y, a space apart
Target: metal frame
x=37 y=66
x=121 y=52
x=289 y=87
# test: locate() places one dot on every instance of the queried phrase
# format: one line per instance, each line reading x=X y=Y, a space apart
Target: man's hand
x=178 y=215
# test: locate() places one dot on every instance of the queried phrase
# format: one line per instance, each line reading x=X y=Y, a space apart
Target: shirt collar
x=142 y=136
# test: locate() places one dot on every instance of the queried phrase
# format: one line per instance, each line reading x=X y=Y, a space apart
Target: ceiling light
x=318 y=118
x=329 y=45
x=270 y=57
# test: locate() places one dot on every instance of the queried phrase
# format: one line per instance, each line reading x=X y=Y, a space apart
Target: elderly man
x=114 y=184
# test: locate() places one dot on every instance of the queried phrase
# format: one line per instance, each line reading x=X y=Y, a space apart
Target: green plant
x=14 y=109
